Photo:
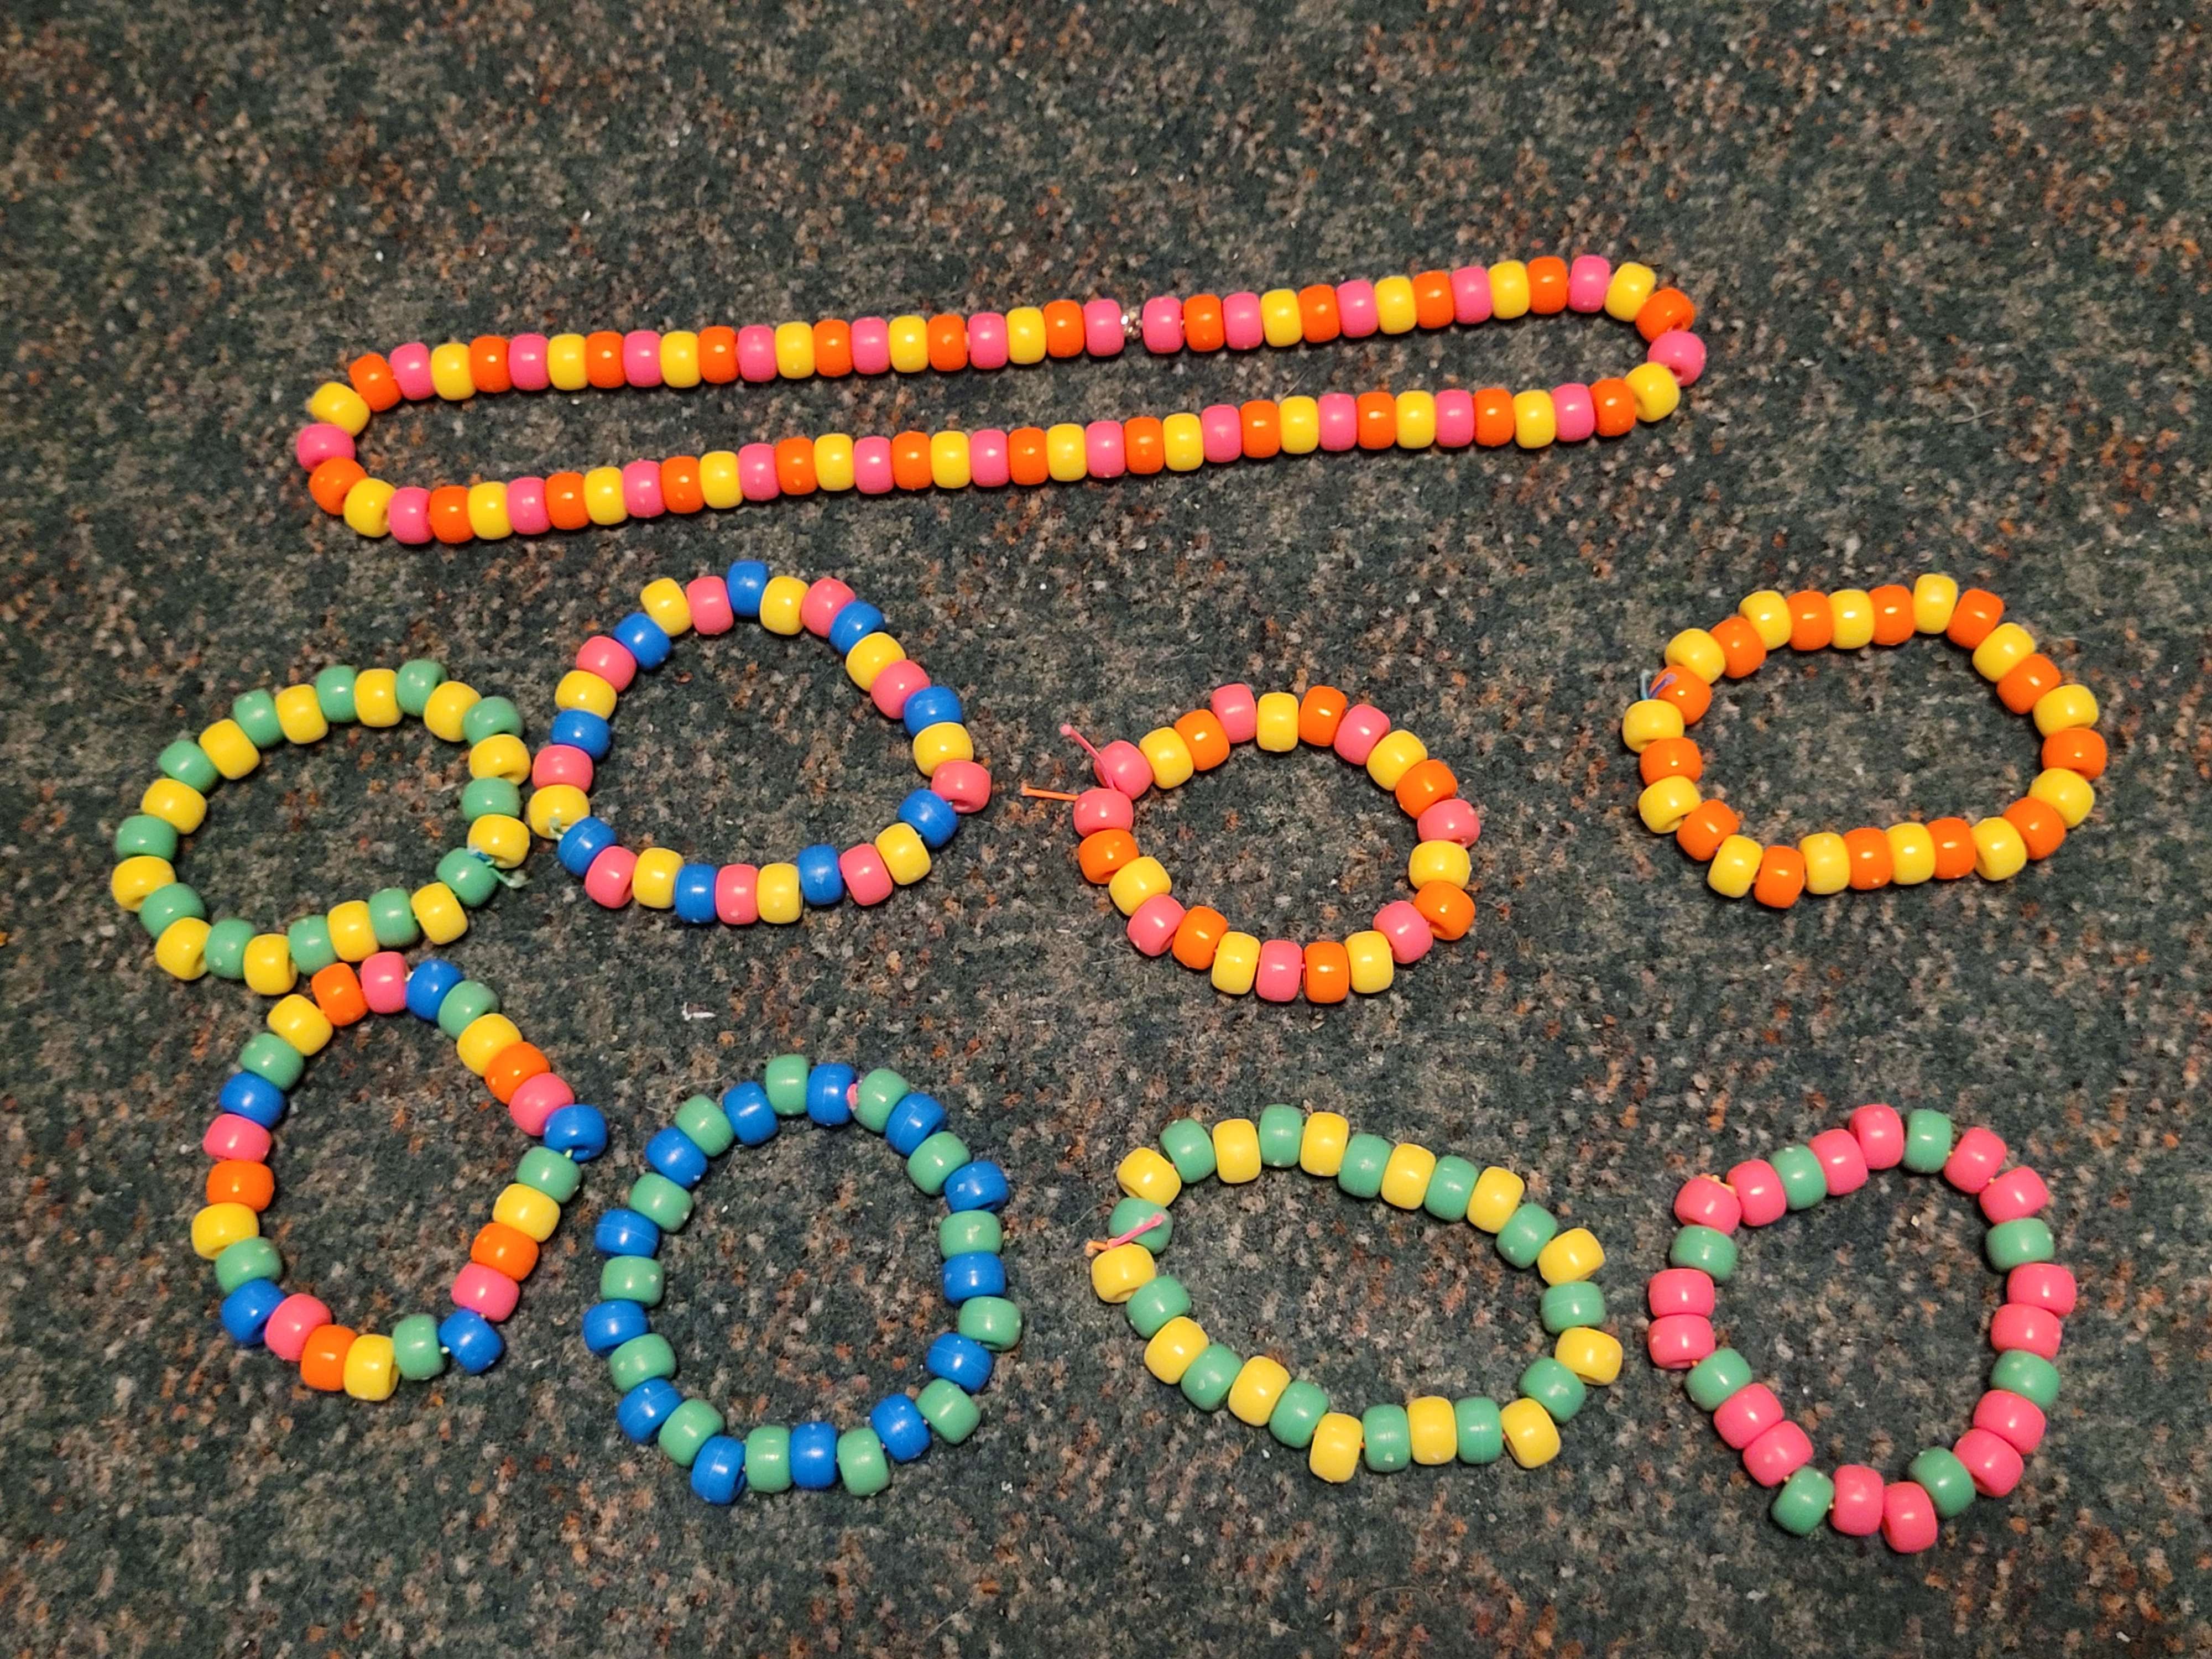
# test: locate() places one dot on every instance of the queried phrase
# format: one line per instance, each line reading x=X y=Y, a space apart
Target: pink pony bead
x=1681 y=352
x=1679 y=1291
x=407 y=515
x=2019 y=1327
x=895 y=684
x=736 y=894
x=1678 y=1341
x=641 y=357
x=1104 y=455
x=1241 y=328
x=1975 y=1161
x=1356 y=312
x=608 y=880
x=2013 y=1419
x=964 y=785
x=1454 y=418
x=384 y=982
x=756 y=472
x=1363 y=726
x=867 y=879
x=526 y=506
x=1102 y=333
x=320 y=443
x=233 y=1136
x=1909 y=1524
x=558 y=762
x=641 y=489
x=1406 y=931
x=872 y=465
x=1121 y=765
x=1587 y=278
x=296 y=1318
x=1994 y=1466
x=2013 y=1195
x=1339 y=413
x=2044 y=1285
x=1747 y=1414
x=1222 y=429
x=1471 y=300
x=529 y=362
x=1238 y=710
x=872 y=345
x=1842 y=1160
x=1856 y=1510
x=1705 y=1202
x=1758 y=1190
x=608 y=659
x=1451 y=820
x=1282 y=970
x=410 y=371
x=990 y=465
x=1778 y=1453
x=536 y=1098
x=1163 y=324
x=1103 y=808
x=485 y=1290
x=824 y=600
x=708 y=598
x=1881 y=1135
x=1152 y=926
x=1574 y=412
x=756 y=353
x=987 y=340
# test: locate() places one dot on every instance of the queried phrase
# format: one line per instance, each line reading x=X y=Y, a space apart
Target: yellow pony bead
x=905 y=855
x=1934 y=598
x=579 y=688
x=1172 y=760
x=301 y=1024
x=2067 y=793
x=679 y=359
x=450 y=375
x=1416 y=420
x=179 y=806
x=1119 y=1274
x=527 y=1210
x=1065 y=455
x=1570 y=1257
x=1135 y=882
x=1280 y=320
x=1025 y=335
x=488 y=521
x=376 y=698
x=502 y=755
x=565 y=362
x=341 y=406
x=1299 y=419
x=1182 y=440
x=182 y=949
x=1530 y=1434
x=2062 y=709
x=778 y=895
x=353 y=935
x=1664 y=805
x=367 y=508
x=438 y=912
x=300 y=715
x=557 y=808
x=1735 y=868
x=372 y=1368
x=1508 y=290
x=1322 y=1144
x=719 y=484
x=138 y=877
x=1406 y=1175
x=227 y=744
x=1174 y=1345
x=1656 y=390
x=781 y=600
x=1592 y=1355
x=1236 y=963
x=1259 y=1386
x=795 y=351
x=503 y=840
x=875 y=652
x=484 y=1040
x=2003 y=648
x=947 y=740
x=1395 y=310
x=1439 y=861
x=1828 y=862
x=1911 y=853
x=1497 y=1194
x=833 y=462
x=1276 y=718
x=1398 y=753
x=604 y=502
x=909 y=344
x=1768 y=613
x=1699 y=652
x=949 y=465
x=1852 y=611
x=1373 y=967
x=447 y=710
x=1999 y=853
x=1631 y=285
x=1148 y=1175
x=1647 y=722
x=219 y=1226
x=1236 y=1151
x=1434 y=1430
x=1333 y=1452
x=664 y=600
x=653 y=883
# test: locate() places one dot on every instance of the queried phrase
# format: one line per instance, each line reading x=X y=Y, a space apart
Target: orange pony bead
x=333 y=480
x=1781 y=877
x=372 y=377
x=238 y=1181
x=1615 y=405
x=322 y=1362
x=1377 y=413
x=1104 y=851
x=1263 y=430
x=1447 y=910
x=1670 y=757
x=1063 y=329
x=2023 y=686
x=1320 y=712
x=1741 y=645
x=1203 y=329
x=1547 y=285
x=948 y=343
x=504 y=1249
x=1208 y=739
x=1669 y=308
x=910 y=468
x=718 y=354
x=2038 y=823
x=1026 y=460
x=794 y=467
x=487 y=363
x=1432 y=298
x=338 y=993
x=1685 y=691
x=833 y=348
x=1328 y=971
x=1494 y=416
x=1318 y=318
x=2078 y=750
x=1198 y=936
x=1955 y=848
x=449 y=515
x=1144 y=445
x=1709 y=823
x=1871 y=863
x=680 y=490
x=1893 y=614
x=1812 y=620
x=564 y=500
x=1977 y=611
x=1425 y=784
x=512 y=1066
x=603 y=360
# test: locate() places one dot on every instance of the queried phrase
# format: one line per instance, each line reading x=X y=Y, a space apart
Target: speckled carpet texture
x=1950 y=265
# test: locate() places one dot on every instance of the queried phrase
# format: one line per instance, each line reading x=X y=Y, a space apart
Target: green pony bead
x=945 y=1406
x=334 y=694
x=935 y=1161
x=1718 y=1378
x=483 y=797
x=658 y=1198
x=167 y=904
x=1189 y=1148
x=1282 y=1134
x=490 y=717
x=418 y=678
x=862 y=1463
x=464 y=1005
x=1206 y=1381
x=969 y=1232
x=1135 y=1212
x=1451 y=1188
x=2014 y=1243
x=1386 y=1439
x=784 y=1078
x=188 y=764
x=1927 y=1142
x=1803 y=1182
x=256 y=714
x=142 y=835
x=632 y=1278
x=1803 y=1502
x=991 y=1320
x=1553 y=1387
x=310 y=940
x=689 y=1427
x=1524 y=1234
x=1481 y=1429
x=225 y=947
x=246 y=1260
x=1572 y=1307
x=880 y=1091
x=415 y=1348
x=1298 y=1411
x=1941 y=1474
x=1365 y=1157
x=640 y=1360
x=1160 y=1301
x=473 y=880
x=768 y=1459
x=554 y=1174
x=707 y=1125
x=2030 y=1376
x=1710 y=1251
x=391 y=918
x=269 y=1057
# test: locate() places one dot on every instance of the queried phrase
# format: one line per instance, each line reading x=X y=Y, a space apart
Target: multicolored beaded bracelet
x=815 y=1455
x=1260 y=1390
x=1905 y=854
x=1335 y=422
x=739 y=894
x=1278 y=970
x=175 y=805
x=2008 y=1423
x=299 y=1328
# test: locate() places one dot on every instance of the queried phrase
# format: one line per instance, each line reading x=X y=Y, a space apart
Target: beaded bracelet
x=739 y=894
x=2008 y=1423
x=773 y=1458
x=1065 y=454
x=299 y=1328
x=1905 y=854
x=1278 y=970
x=1260 y=1390
x=175 y=805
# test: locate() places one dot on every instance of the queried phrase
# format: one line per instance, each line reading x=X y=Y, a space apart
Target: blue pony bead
x=931 y=816
x=608 y=1325
x=694 y=893
x=625 y=1232
x=972 y=1273
x=580 y=1131
x=912 y=1122
x=751 y=1115
x=428 y=985
x=473 y=1341
x=245 y=1312
x=814 y=1455
x=676 y=1155
x=932 y=705
x=820 y=881
x=582 y=842
x=901 y=1426
x=852 y=624
x=646 y=1406
x=252 y=1096
x=747 y=581
x=580 y=728
x=978 y=1186
x=960 y=1359
x=828 y=1091
x=718 y=1473
x=644 y=639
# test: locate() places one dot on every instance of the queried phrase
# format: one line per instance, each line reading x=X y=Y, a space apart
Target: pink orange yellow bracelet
x=1905 y=854
x=1067 y=452
x=1280 y=970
